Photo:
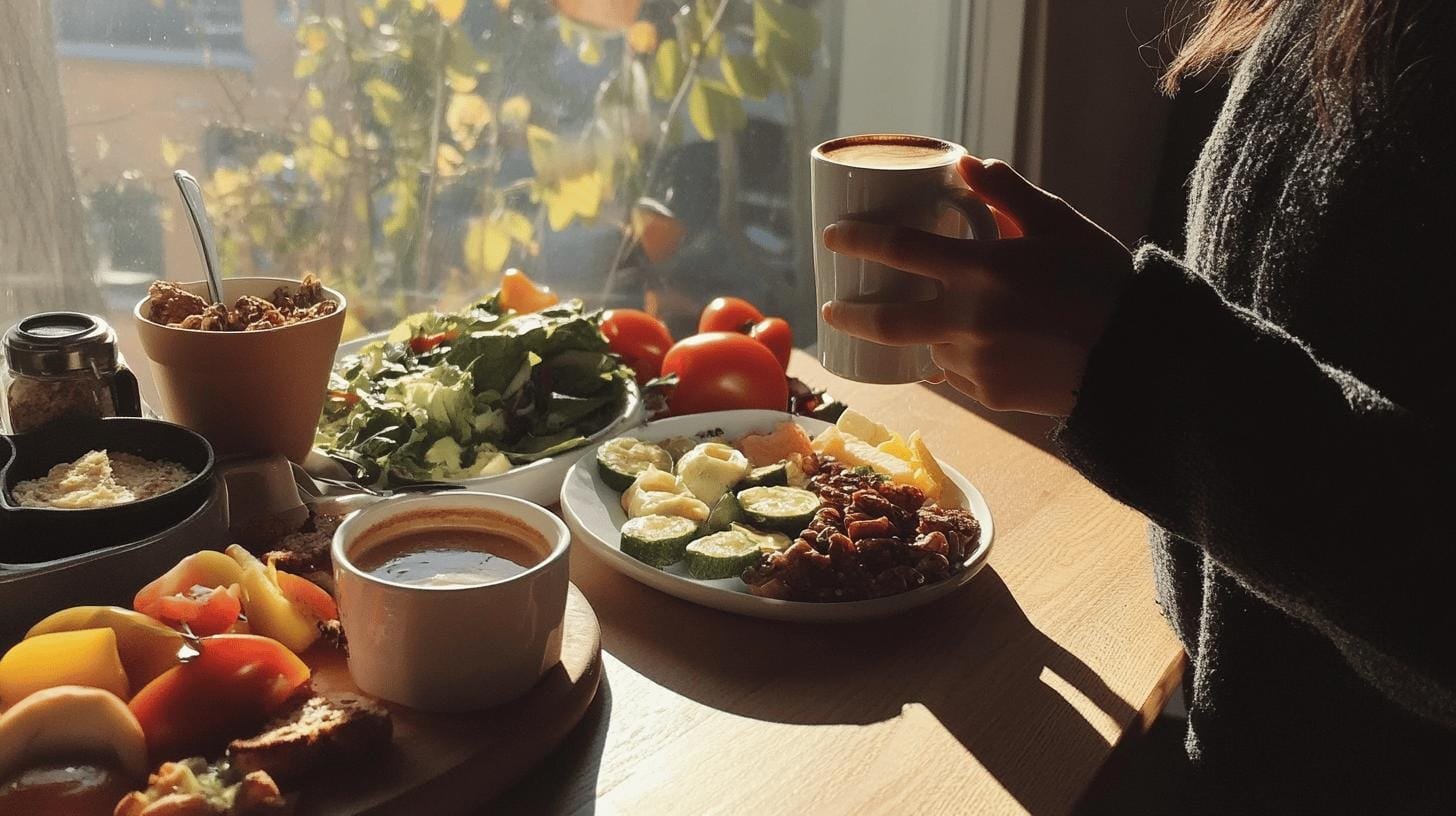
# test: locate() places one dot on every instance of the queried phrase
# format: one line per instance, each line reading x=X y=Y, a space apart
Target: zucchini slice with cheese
x=767 y=542
x=709 y=469
x=782 y=509
x=657 y=540
x=721 y=555
x=623 y=459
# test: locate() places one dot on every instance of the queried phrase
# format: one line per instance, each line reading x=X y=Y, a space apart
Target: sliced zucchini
x=775 y=475
x=678 y=446
x=621 y=460
x=709 y=469
x=784 y=509
x=767 y=542
x=724 y=513
x=657 y=540
x=721 y=555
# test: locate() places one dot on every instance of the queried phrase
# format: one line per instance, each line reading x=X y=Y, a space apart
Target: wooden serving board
x=454 y=763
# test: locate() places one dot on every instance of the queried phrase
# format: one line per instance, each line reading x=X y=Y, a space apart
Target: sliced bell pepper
x=270 y=612
x=86 y=657
x=147 y=647
x=207 y=568
x=205 y=611
x=234 y=682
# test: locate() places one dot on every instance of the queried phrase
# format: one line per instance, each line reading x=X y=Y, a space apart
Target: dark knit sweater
x=1279 y=404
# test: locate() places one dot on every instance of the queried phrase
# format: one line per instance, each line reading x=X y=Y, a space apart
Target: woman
x=1276 y=402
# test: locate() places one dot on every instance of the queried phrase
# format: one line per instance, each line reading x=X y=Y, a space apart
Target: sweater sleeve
x=1313 y=490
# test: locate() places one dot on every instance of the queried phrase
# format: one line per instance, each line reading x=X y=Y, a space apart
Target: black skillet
x=31 y=535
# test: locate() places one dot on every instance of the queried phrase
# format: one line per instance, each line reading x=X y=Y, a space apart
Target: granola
x=173 y=306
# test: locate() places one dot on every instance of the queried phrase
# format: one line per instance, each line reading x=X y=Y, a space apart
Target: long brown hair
x=1353 y=43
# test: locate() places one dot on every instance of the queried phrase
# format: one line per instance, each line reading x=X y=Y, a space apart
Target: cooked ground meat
x=871 y=538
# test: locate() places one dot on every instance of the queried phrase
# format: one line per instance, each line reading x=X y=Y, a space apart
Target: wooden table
x=1005 y=697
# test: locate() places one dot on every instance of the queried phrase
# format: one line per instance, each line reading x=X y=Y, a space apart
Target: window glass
x=629 y=152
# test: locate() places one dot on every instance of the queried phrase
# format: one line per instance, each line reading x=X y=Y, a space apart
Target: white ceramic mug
x=452 y=648
x=886 y=178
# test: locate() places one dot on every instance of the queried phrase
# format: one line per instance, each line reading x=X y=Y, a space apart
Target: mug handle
x=982 y=227
x=978 y=216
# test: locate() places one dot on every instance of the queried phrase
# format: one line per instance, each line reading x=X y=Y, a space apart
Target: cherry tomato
x=422 y=343
x=775 y=333
x=721 y=371
x=638 y=338
x=205 y=611
x=728 y=314
x=236 y=682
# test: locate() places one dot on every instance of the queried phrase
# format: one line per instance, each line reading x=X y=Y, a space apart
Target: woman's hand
x=1016 y=317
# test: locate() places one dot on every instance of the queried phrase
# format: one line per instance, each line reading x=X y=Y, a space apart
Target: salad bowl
x=538 y=481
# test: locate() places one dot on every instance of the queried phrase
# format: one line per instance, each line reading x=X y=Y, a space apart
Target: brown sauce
x=449 y=556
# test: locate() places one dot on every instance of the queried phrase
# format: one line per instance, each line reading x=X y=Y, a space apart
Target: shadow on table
x=973 y=660
x=565 y=781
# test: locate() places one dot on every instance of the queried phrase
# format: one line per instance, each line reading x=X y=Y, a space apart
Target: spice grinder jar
x=64 y=365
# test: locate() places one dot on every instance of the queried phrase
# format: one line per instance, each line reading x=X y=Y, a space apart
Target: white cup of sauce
x=437 y=632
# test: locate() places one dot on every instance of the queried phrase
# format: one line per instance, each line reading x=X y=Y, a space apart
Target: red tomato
x=638 y=338
x=308 y=596
x=205 y=611
x=235 y=683
x=728 y=314
x=775 y=333
x=721 y=371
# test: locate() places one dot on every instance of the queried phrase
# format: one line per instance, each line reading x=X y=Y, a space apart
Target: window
x=645 y=153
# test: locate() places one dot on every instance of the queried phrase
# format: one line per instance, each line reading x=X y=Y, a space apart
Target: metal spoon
x=201 y=231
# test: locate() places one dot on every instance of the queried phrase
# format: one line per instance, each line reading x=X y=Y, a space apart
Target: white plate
x=593 y=511
x=539 y=481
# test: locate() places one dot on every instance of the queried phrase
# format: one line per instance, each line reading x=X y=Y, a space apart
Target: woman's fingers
x=1032 y=208
x=891 y=324
x=910 y=250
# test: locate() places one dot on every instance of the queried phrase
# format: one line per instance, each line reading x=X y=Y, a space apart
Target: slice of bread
x=316 y=731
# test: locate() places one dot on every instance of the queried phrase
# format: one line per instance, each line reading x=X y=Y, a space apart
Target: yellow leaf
x=271 y=162
x=171 y=152
x=458 y=82
x=487 y=245
x=515 y=112
x=368 y=17
x=448 y=160
x=313 y=38
x=517 y=226
x=502 y=5
x=577 y=196
x=642 y=37
x=449 y=10
x=321 y=131
x=541 y=143
x=315 y=97
x=225 y=182
x=466 y=116
x=589 y=51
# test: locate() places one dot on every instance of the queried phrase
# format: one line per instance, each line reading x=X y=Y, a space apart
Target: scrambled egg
x=99 y=479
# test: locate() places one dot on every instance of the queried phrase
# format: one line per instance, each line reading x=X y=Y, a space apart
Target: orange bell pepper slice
x=232 y=685
x=205 y=611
